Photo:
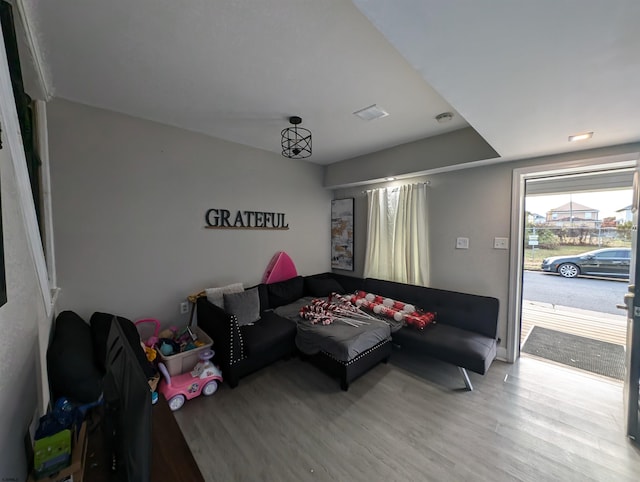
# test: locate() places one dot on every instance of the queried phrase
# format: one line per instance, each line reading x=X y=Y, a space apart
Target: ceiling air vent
x=370 y=113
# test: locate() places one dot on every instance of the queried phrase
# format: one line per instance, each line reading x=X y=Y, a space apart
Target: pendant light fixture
x=296 y=141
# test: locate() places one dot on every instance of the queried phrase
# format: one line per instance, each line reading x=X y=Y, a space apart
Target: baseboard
x=501 y=354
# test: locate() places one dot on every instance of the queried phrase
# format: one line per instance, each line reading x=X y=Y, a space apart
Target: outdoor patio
x=589 y=324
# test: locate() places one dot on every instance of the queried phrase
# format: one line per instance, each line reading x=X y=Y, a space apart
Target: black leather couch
x=241 y=350
x=465 y=332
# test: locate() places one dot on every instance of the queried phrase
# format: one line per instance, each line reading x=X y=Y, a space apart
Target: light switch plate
x=462 y=243
x=501 y=243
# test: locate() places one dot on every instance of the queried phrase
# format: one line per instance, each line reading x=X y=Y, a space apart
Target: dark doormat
x=576 y=351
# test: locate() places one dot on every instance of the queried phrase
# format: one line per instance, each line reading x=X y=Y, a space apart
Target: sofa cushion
x=70 y=361
x=216 y=295
x=322 y=287
x=462 y=310
x=285 y=292
x=100 y=326
x=244 y=305
x=451 y=344
x=272 y=331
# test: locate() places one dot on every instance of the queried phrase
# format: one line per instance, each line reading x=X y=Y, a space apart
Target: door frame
x=520 y=176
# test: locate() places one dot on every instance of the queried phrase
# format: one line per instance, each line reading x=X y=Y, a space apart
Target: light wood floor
x=409 y=420
x=598 y=326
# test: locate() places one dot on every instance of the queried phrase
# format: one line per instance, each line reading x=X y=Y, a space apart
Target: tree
x=624 y=230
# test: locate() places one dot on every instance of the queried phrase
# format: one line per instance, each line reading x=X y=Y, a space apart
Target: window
x=607 y=254
x=24 y=106
x=397 y=235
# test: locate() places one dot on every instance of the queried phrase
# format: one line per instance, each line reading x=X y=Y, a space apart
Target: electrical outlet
x=184 y=307
x=500 y=243
x=462 y=243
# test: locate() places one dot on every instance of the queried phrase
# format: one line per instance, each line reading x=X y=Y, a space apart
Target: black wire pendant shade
x=296 y=141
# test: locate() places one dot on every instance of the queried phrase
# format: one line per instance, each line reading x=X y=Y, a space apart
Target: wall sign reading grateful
x=225 y=219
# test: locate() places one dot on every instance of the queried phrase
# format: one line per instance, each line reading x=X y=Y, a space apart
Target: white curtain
x=397 y=234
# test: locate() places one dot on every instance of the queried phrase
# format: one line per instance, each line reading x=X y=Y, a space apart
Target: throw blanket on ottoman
x=339 y=339
x=339 y=349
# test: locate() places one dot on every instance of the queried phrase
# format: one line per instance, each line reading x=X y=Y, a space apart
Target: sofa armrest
x=224 y=330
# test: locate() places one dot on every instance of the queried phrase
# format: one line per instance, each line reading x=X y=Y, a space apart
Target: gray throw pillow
x=245 y=305
x=216 y=295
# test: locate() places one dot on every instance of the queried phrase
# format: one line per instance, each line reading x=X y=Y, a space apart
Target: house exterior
x=625 y=215
x=573 y=214
x=535 y=218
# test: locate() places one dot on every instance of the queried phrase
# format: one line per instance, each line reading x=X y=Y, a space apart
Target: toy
x=150 y=353
x=168 y=333
x=151 y=340
x=52 y=453
x=185 y=336
x=168 y=347
x=280 y=268
x=203 y=379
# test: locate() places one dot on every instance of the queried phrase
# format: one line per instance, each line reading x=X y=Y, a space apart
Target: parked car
x=608 y=262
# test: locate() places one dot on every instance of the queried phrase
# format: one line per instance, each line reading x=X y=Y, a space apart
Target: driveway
x=584 y=293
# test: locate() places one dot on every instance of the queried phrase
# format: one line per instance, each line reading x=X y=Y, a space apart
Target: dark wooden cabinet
x=171 y=458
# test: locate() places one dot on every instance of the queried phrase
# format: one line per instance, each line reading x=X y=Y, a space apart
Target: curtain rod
x=425 y=183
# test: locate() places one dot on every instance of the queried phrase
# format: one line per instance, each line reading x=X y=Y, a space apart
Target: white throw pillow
x=216 y=295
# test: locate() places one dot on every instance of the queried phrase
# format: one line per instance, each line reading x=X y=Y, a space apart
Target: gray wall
x=19 y=318
x=454 y=148
x=473 y=203
x=129 y=200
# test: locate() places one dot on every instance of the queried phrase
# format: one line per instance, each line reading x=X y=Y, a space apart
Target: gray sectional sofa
x=465 y=332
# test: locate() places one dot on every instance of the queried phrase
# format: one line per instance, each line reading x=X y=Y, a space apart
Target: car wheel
x=210 y=388
x=568 y=270
x=176 y=402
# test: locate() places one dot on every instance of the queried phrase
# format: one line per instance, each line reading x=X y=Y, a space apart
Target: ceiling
x=524 y=75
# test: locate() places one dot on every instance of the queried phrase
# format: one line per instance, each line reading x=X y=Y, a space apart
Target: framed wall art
x=342 y=234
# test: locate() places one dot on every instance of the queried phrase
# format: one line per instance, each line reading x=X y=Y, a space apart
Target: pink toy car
x=203 y=379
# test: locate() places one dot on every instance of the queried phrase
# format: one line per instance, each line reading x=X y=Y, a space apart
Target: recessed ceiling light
x=389 y=178
x=370 y=113
x=581 y=137
x=444 y=117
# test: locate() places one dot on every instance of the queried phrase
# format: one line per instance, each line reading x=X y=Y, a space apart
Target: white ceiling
x=525 y=75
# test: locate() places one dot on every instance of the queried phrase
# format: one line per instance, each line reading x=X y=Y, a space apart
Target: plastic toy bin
x=185 y=361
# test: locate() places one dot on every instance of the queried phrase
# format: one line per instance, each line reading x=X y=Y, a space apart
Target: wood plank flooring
x=598 y=326
x=411 y=420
